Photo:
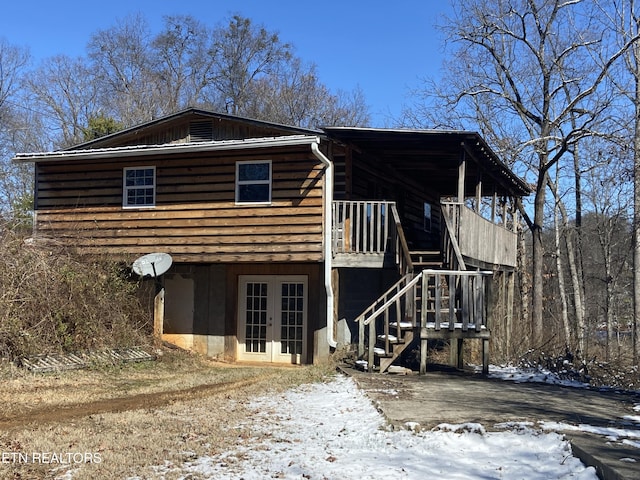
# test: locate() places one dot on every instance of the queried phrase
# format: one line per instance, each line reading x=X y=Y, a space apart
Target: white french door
x=272 y=318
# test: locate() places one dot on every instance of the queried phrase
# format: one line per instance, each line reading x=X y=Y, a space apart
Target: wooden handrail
x=451 y=236
x=464 y=308
x=376 y=312
x=475 y=237
x=405 y=254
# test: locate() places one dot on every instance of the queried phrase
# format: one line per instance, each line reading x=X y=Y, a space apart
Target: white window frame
x=126 y=188
x=239 y=182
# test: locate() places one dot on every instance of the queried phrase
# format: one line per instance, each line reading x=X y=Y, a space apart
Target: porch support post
x=461 y=175
x=485 y=356
x=478 y=192
x=505 y=211
x=456 y=353
x=372 y=343
x=494 y=202
x=424 y=342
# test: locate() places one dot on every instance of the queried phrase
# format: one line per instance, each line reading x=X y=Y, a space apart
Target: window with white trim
x=253 y=181
x=139 y=187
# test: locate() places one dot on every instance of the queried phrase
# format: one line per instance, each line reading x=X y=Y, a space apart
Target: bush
x=51 y=302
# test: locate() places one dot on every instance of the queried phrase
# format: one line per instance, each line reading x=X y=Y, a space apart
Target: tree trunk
x=575 y=257
x=524 y=285
x=636 y=205
x=561 y=283
x=537 y=266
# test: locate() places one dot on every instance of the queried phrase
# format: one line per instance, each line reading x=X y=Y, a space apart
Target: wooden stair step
x=392 y=339
x=379 y=352
x=403 y=325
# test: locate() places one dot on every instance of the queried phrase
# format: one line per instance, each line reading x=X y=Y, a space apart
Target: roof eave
x=143 y=151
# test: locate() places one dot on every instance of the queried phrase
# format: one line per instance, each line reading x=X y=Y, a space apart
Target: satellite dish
x=152 y=264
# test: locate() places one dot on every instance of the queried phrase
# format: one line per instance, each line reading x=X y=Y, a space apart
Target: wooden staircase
x=426 y=259
x=443 y=304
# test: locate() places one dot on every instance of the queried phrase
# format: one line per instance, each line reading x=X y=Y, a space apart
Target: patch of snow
x=632 y=418
x=332 y=430
x=520 y=375
x=631 y=443
x=611 y=433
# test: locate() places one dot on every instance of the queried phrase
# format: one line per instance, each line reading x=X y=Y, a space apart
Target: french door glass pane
x=256 y=318
x=291 y=317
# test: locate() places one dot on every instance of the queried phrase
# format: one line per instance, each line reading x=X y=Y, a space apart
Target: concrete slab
x=459 y=397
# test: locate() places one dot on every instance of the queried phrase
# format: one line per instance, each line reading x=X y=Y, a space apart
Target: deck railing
x=360 y=226
x=370 y=228
x=475 y=237
x=441 y=302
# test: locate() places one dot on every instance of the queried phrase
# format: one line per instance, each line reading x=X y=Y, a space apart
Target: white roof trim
x=144 y=150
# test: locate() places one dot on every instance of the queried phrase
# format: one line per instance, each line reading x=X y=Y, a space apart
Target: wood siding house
x=289 y=242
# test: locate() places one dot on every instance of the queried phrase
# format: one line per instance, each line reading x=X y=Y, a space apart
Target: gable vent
x=201 y=131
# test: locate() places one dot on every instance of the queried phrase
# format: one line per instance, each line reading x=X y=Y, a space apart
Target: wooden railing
x=475 y=237
x=403 y=255
x=360 y=226
x=369 y=228
x=453 y=299
x=438 y=301
x=398 y=304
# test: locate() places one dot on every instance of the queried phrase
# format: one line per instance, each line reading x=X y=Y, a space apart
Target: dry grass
x=131 y=417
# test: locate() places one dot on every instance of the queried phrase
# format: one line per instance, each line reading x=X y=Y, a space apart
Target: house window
x=139 y=187
x=253 y=182
x=427 y=217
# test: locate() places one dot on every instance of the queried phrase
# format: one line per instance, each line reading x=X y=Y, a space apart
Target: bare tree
x=64 y=91
x=13 y=60
x=183 y=62
x=293 y=94
x=123 y=71
x=243 y=54
x=15 y=181
x=608 y=193
x=527 y=71
x=623 y=18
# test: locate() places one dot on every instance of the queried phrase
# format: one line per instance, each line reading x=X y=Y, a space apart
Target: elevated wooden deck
x=369 y=234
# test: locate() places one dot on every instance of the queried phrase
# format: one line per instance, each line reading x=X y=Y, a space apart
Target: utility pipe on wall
x=328 y=197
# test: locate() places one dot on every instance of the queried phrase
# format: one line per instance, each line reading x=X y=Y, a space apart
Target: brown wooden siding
x=195 y=218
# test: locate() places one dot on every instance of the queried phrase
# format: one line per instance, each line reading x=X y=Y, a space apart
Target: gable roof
x=129 y=135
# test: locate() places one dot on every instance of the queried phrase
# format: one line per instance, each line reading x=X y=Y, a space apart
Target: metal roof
x=145 y=150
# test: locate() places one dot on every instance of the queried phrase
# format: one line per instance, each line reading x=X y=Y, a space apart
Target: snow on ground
x=538 y=375
x=332 y=431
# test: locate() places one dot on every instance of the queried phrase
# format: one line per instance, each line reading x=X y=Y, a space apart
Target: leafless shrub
x=51 y=302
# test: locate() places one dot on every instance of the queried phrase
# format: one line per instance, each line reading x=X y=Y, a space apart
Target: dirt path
x=64 y=413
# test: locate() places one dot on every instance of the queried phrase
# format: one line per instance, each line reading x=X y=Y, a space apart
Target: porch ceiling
x=432 y=158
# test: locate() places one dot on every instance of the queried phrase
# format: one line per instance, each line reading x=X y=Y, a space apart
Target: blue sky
x=381 y=46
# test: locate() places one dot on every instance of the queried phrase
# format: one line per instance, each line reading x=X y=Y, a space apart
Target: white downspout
x=328 y=253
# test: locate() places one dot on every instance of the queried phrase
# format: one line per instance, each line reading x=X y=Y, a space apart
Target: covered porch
x=439 y=210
